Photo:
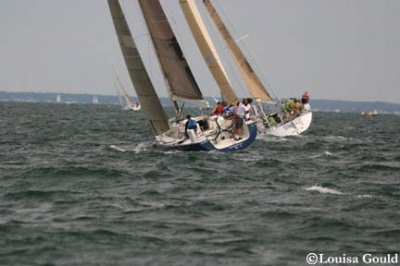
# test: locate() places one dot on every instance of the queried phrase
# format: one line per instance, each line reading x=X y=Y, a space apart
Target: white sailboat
x=58 y=99
x=95 y=100
x=370 y=114
x=136 y=106
x=209 y=133
x=288 y=126
x=123 y=95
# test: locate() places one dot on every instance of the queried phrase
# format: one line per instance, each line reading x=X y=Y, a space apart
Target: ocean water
x=83 y=185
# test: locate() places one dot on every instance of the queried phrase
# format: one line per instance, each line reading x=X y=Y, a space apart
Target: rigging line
x=182 y=34
x=139 y=36
x=148 y=42
x=233 y=68
x=160 y=78
x=257 y=67
x=149 y=47
x=248 y=53
x=226 y=59
x=171 y=17
x=260 y=71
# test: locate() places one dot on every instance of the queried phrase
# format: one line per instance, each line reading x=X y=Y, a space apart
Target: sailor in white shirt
x=240 y=113
x=248 y=109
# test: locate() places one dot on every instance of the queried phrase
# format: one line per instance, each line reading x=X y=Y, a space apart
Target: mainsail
x=145 y=91
x=181 y=82
x=256 y=88
x=207 y=49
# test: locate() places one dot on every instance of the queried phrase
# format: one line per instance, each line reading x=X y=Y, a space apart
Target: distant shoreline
x=73 y=98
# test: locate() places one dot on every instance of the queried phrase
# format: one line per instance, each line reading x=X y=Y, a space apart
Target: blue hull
x=208 y=146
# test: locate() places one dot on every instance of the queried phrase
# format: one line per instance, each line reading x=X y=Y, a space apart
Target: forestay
x=255 y=86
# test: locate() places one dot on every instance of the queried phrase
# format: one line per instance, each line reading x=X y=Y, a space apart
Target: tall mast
x=145 y=91
x=254 y=84
x=207 y=49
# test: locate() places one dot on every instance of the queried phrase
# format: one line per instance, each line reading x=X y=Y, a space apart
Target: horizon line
x=208 y=96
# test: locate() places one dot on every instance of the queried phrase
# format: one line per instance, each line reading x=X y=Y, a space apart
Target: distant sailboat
x=208 y=133
x=370 y=114
x=136 y=106
x=287 y=126
x=123 y=95
x=95 y=100
x=58 y=99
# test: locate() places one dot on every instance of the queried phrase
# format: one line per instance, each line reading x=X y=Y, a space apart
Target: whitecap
x=141 y=147
x=324 y=190
x=325 y=153
x=365 y=196
x=269 y=138
x=168 y=152
x=332 y=138
x=117 y=148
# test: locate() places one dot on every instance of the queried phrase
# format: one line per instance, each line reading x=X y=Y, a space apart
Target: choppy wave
x=114 y=147
x=84 y=185
x=324 y=190
x=324 y=154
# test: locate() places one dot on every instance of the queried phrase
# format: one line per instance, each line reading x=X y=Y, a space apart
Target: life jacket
x=191 y=124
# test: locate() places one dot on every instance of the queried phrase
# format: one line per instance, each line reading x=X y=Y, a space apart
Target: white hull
x=134 y=107
x=291 y=128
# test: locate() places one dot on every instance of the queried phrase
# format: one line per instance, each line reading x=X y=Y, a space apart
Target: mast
x=180 y=79
x=256 y=88
x=121 y=101
x=207 y=49
x=145 y=91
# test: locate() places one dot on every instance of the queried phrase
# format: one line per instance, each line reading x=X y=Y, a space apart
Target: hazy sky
x=335 y=49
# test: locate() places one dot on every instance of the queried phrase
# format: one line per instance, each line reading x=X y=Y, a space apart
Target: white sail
x=123 y=95
x=95 y=100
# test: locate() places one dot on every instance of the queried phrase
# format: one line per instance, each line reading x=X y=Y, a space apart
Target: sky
x=334 y=49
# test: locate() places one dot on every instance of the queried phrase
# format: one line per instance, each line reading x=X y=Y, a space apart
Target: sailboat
x=370 y=114
x=58 y=99
x=136 y=106
x=123 y=95
x=288 y=125
x=210 y=133
x=95 y=100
